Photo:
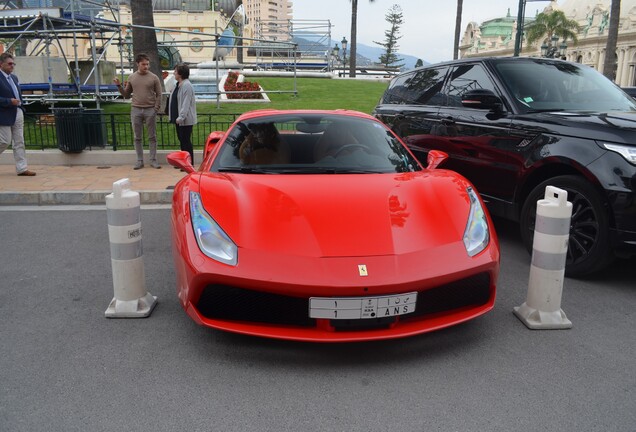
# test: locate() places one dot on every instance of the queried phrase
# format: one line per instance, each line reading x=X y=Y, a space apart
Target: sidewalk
x=73 y=184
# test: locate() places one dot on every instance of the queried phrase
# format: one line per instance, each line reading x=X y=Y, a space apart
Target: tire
x=589 y=246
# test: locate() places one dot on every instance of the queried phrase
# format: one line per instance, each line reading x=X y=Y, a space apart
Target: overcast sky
x=429 y=25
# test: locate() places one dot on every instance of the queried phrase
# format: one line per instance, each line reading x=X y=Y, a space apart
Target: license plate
x=362 y=307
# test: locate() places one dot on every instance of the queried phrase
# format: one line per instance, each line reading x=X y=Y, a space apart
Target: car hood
x=615 y=126
x=339 y=215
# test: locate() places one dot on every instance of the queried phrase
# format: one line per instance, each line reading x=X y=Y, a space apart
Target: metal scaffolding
x=46 y=27
x=293 y=44
x=98 y=22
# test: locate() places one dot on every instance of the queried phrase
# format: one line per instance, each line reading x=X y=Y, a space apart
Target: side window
x=397 y=92
x=423 y=87
x=464 y=78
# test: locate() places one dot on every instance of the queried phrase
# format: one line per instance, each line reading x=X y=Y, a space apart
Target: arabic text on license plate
x=362 y=307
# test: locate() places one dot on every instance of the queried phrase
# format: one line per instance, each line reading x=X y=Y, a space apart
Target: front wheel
x=589 y=248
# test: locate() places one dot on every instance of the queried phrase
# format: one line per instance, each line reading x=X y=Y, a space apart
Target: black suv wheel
x=589 y=247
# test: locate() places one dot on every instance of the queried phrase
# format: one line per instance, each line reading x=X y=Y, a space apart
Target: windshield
x=560 y=86
x=312 y=144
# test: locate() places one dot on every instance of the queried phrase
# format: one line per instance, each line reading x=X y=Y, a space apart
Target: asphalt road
x=64 y=367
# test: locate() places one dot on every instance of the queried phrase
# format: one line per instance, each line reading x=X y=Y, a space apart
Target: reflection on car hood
x=615 y=126
x=338 y=215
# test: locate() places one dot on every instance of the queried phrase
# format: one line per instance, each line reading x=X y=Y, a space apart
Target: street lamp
x=343 y=42
x=520 y=18
x=552 y=50
x=334 y=55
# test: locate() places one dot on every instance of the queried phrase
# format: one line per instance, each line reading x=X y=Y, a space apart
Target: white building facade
x=268 y=19
x=497 y=37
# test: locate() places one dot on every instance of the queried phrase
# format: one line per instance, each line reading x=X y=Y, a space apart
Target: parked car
x=322 y=226
x=512 y=126
x=630 y=91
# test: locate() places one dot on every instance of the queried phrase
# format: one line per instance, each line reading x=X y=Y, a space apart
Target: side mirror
x=434 y=158
x=180 y=159
x=482 y=99
x=211 y=142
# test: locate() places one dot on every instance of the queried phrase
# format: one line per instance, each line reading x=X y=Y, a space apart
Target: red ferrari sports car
x=321 y=226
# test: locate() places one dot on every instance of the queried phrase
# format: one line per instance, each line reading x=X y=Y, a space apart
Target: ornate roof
x=498 y=26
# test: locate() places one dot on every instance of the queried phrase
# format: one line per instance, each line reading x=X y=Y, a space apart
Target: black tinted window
x=312 y=144
x=423 y=87
x=555 y=85
x=397 y=93
x=465 y=78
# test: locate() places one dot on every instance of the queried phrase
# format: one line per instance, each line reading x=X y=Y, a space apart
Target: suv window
x=397 y=92
x=464 y=78
x=550 y=86
x=423 y=87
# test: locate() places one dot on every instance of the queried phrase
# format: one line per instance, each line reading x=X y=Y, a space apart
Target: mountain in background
x=373 y=55
x=366 y=55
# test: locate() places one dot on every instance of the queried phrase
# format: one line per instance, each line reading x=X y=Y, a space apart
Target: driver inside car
x=263 y=146
x=337 y=140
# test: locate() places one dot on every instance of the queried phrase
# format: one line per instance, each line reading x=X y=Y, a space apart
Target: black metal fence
x=78 y=129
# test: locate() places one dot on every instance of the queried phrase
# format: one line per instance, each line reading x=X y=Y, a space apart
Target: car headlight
x=212 y=241
x=628 y=152
x=476 y=235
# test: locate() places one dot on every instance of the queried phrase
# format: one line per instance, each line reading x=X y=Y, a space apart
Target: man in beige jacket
x=145 y=88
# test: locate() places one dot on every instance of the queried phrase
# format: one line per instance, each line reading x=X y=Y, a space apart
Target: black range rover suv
x=512 y=126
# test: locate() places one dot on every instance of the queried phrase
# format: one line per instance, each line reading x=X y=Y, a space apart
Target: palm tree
x=145 y=39
x=552 y=23
x=458 y=24
x=354 y=32
x=612 y=37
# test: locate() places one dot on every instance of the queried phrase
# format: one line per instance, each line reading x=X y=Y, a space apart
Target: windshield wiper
x=249 y=170
x=532 y=111
x=300 y=170
x=331 y=170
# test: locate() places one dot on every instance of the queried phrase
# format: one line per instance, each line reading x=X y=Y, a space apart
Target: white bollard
x=542 y=309
x=123 y=209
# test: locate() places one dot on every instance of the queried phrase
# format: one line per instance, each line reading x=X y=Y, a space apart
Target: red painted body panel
x=305 y=235
x=338 y=215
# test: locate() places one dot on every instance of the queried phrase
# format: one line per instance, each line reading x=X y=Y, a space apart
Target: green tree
x=144 y=38
x=609 y=65
x=458 y=25
x=395 y=18
x=552 y=23
x=419 y=63
x=354 y=38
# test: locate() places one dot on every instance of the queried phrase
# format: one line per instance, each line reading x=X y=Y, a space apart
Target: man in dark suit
x=12 y=115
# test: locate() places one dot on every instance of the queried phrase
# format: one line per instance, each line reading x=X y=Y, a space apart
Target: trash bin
x=95 y=134
x=70 y=129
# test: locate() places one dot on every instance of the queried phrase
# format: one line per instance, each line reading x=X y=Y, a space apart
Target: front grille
x=363 y=324
x=238 y=304
x=472 y=291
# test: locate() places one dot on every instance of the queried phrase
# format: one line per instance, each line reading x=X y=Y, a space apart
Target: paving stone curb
x=77 y=198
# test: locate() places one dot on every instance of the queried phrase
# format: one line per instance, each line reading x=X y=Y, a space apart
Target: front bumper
x=286 y=317
x=269 y=295
x=617 y=177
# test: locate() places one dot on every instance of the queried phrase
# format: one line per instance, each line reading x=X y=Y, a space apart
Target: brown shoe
x=27 y=173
